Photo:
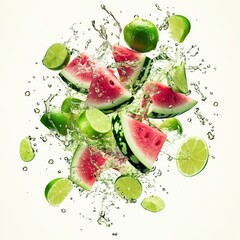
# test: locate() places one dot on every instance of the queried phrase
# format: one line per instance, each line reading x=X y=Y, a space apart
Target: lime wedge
x=70 y=104
x=178 y=79
x=56 y=57
x=57 y=190
x=128 y=187
x=26 y=151
x=192 y=156
x=179 y=27
x=172 y=124
x=153 y=204
x=60 y=120
x=94 y=123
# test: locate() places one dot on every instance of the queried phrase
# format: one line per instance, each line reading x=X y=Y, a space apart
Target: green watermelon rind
x=73 y=82
x=124 y=147
x=163 y=112
x=73 y=175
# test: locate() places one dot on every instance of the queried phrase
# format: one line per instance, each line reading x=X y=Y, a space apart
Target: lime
x=57 y=190
x=178 y=79
x=70 y=104
x=141 y=35
x=94 y=123
x=26 y=151
x=192 y=156
x=153 y=203
x=57 y=56
x=46 y=121
x=172 y=124
x=61 y=121
x=128 y=187
x=179 y=27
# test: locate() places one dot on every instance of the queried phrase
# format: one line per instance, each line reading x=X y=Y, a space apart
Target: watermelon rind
x=73 y=171
x=163 y=112
x=123 y=145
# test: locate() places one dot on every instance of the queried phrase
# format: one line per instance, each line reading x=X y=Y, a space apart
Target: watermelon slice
x=86 y=163
x=164 y=101
x=138 y=141
x=106 y=92
x=133 y=67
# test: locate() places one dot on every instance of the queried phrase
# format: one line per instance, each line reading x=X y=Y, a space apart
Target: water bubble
x=170 y=158
x=59 y=171
x=210 y=136
x=50 y=161
x=215 y=104
x=63 y=210
x=25 y=169
x=136 y=16
x=27 y=93
x=189 y=120
x=37 y=110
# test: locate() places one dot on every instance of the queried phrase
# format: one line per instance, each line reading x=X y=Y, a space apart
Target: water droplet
x=170 y=158
x=50 y=161
x=210 y=136
x=115 y=234
x=25 y=169
x=59 y=171
x=27 y=93
x=211 y=93
x=63 y=210
x=49 y=85
x=215 y=104
x=189 y=120
x=136 y=16
x=37 y=110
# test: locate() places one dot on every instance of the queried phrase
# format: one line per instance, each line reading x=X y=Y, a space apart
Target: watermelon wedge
x=86 y=163
x=133 y=67
x=165 y=102
x=138 y=141
x=106 y=93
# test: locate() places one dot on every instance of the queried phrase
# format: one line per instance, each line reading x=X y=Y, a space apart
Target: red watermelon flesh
x=164 y=101
x=105 y=91
x=86 y=164
x=129 y=62
x=145 y=142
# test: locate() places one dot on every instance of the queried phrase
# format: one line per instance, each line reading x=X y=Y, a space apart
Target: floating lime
x=70 y=104
x=57 y=190
x=179 y=27
x=128 y=187
x=26 y=151
x=192 y=156
x=178 y=79
x=172 y=124
x=94 y=123
x=56 y=57
x=153 y=204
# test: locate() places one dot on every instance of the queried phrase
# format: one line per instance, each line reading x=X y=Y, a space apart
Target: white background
x=205 y=207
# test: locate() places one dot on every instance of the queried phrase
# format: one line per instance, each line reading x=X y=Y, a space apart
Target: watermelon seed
x=111 y=82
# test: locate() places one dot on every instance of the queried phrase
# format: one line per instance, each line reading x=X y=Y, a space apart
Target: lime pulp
x=192 y=156
x=128 y=187
x=57 y=190
x=153 y=203
x=26 y=151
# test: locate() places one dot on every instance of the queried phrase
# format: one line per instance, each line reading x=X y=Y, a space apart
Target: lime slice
x=153 y=204
x=94 y=123
x=70 y=104
x=128 y=187
x=179 y=27
x=56 y=57
x=172 y=124
x=57 y=190
x=192 y=156
x=178 y=79
x=26 y=151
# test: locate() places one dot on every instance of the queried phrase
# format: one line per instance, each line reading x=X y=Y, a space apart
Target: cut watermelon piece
x=79 y=73
x=138 y=141
x=133 y=67
x=86 y=163
x=106 y=92
x=165 y=102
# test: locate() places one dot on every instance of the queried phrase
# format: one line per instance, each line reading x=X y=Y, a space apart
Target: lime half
x=179 y=27
x=128 y=188
x=153 y=204
x=56 y=57
x=57 y=190
x=26 y=151
x=178 y=79
x=94 y=123
x=192 y=156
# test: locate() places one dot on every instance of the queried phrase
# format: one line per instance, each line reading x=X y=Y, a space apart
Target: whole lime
x=141 y=35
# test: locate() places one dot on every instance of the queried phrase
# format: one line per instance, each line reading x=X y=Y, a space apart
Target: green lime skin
x=70 y=104
x=141 y=35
